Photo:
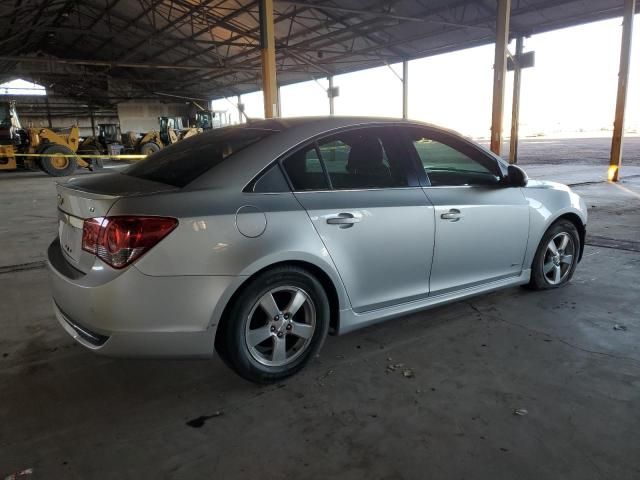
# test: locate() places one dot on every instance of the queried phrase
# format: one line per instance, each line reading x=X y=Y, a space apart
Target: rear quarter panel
x=208 y=240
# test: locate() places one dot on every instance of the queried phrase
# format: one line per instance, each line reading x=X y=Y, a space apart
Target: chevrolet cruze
x=256 y=241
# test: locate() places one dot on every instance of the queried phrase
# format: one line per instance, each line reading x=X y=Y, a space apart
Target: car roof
x=320 y=124
x=293 y=130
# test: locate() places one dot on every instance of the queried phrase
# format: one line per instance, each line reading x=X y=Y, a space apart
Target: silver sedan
x=255 y=241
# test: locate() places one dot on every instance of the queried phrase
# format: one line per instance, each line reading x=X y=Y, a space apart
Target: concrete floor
x=69 y=414
x=591 y=151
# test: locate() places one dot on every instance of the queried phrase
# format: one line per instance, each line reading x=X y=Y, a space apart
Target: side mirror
x=516 y=177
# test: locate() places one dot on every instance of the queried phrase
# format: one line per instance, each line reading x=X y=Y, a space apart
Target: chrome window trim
x=358 y=190
x=453 y=186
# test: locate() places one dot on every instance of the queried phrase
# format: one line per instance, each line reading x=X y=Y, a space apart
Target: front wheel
x=557 y=256
x=149 y=148
x=276 y=325
x=59 y=161
x=94 y=160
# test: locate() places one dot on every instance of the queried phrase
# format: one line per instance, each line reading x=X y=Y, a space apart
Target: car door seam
x=335 y=267
x=433 y=246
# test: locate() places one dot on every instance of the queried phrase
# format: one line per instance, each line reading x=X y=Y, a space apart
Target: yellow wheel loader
x=108 y=142
x=56 y=149
x=171 y=131
x=203 y=119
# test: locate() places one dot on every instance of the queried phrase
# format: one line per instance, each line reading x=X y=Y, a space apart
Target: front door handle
x=453 y=215
x=345 y=220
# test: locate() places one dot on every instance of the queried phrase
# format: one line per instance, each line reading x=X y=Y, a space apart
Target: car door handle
x=344 y=219
x=453 y=215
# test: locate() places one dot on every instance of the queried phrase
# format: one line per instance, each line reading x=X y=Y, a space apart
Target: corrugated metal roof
x=115 y=49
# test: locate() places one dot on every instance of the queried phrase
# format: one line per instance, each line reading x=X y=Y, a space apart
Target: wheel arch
x=540 y=224
x=577 y=222
x=323 y=277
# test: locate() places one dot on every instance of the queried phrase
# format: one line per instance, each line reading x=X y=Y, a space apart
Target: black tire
x=149 y=148
x=58 y=166
x=95 y=163
x=232 y=339
x=539 y=279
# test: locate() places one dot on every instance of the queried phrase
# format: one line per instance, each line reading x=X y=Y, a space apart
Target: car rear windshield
x=182 y=163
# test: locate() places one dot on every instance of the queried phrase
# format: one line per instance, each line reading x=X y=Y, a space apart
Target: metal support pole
x=278 y=103
x=268 y=46
x=240 y=108
x=405 y=89
x=93 y=122
x=499 y=73
x=515 y=104
x=330 y=94
x=623 y=79
x=46 y=101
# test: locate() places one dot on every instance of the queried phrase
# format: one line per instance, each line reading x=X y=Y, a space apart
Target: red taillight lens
x=119 y=241
x=90 y=234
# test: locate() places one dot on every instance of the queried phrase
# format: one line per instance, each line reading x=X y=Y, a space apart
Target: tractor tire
x=55 y=165
x=149 y=148
x=94 y=162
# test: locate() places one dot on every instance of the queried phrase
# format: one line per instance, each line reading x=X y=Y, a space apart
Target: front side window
x=448 y=165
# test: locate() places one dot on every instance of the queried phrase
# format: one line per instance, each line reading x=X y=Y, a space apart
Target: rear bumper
x=126 y=313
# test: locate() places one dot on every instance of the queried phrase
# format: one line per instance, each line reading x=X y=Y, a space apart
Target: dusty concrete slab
x=574 y=160
x=586 y=150
x=69 y=414
x=576 y=173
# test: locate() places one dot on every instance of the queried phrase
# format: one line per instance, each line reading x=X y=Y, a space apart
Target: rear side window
x=182 y=163
x=364 y=158
x=305 y=171
x=272 y=181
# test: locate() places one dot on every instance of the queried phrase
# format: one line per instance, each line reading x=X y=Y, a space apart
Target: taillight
x=119 y=241
x=90 y=234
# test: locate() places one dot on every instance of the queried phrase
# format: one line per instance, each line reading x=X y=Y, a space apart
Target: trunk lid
x=93 y=196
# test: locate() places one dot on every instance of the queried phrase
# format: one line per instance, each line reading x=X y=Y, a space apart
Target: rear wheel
x=94 y=160
x=57 y=163
x=149 y=148
x=275 y=326
x=557 y=256
x=97 y=164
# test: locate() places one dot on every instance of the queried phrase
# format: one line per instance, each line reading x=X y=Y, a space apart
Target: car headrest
x=366 y=154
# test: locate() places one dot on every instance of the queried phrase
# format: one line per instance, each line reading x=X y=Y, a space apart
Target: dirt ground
x=592 y=151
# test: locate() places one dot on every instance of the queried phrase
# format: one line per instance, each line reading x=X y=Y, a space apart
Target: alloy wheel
x=280 y=326
x=558 y=258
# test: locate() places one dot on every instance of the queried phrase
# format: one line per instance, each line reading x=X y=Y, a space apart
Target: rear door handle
x=453 y=215
x=345 y=220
